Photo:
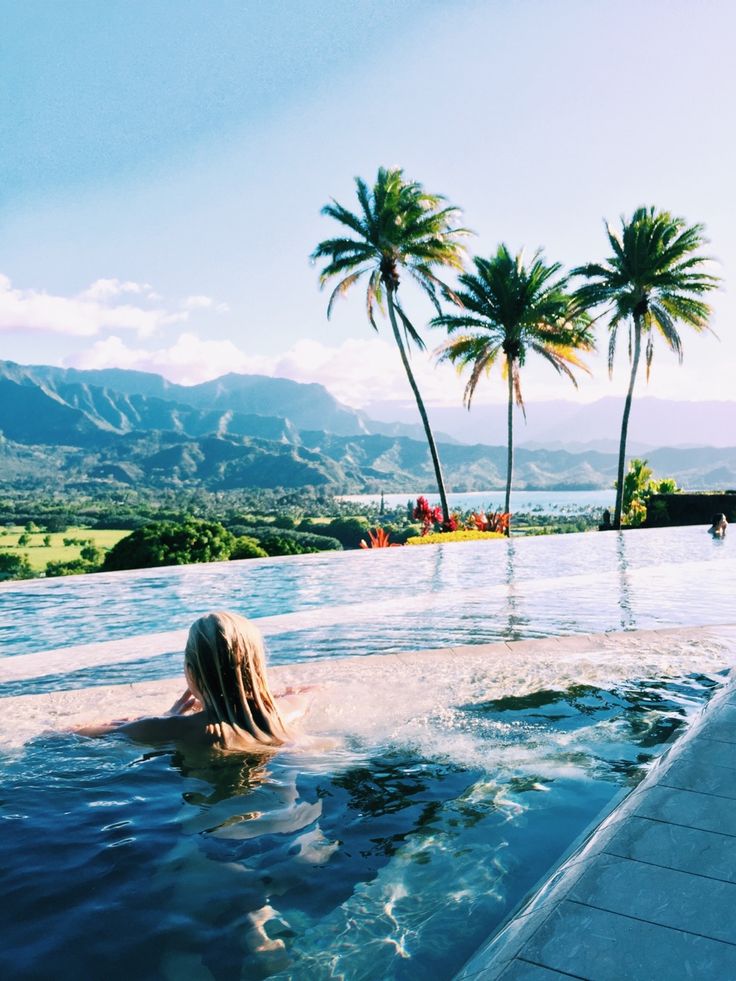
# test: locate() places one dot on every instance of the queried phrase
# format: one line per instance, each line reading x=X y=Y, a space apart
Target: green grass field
x=39 y=554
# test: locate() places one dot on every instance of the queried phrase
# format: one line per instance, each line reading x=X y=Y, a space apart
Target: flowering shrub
x=427 y=515
x=462 y=535
x=493 y=521
x=499 y=521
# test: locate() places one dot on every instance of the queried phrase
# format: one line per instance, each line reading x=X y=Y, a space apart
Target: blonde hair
x=225 y=657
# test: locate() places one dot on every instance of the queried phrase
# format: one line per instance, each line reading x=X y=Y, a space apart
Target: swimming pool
x=456 y=778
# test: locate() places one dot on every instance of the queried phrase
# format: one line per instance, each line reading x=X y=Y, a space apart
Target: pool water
x=365 y=861
x=401 y=598
x=451 y=781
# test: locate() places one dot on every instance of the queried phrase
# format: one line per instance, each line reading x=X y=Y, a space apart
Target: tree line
x=504 y=309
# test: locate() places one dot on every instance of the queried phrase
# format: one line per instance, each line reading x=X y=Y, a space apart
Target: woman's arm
x=155 y=727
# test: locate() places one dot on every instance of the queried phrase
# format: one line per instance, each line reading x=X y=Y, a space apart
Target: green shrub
x=282 y=541
x=74 y=567
x=284 y=521
x=348 y=531
x=90 y=553
x=401 y=534
x=57 y=522
x=238 y=530
x=171 y=543
x=277 y=545
x=13 y=566
x=247 y=548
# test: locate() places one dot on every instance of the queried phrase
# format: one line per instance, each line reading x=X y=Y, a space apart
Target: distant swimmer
x=227 y=703
x=718 y=528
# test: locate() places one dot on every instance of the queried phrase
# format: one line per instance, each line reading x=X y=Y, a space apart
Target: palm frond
x=515 y=307
x=480 y=366
x=611 y=350
x=342 y=287
x=374 y=297
x=409 y=328
x=657 y=273
x=345 y=217
x=397 y=225
x=649 y=354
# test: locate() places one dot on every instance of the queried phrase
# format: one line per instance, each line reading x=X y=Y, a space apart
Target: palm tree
x=398 y=226
x=653 y=282
x=510 y=310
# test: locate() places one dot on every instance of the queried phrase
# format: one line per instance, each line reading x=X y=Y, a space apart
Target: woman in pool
x=228 y=703
x=718 y=528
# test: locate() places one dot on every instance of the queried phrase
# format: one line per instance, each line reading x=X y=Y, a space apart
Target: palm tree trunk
x=510 y=441
x=420 y=405
x=625 y=423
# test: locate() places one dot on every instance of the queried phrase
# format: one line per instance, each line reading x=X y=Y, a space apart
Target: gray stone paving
x=651 y=893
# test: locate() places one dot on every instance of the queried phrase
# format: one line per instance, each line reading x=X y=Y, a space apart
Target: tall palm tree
x=510 y=310
x=398 y=226
x=654 y=281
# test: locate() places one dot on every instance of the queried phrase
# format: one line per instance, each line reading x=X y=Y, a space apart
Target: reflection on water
x=554 y=584
x=516 y=622
x=628 y=621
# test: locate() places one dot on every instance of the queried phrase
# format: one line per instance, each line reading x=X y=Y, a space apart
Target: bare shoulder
x=160 y=728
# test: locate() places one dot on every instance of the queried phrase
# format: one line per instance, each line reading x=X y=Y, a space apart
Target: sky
x=164 y=163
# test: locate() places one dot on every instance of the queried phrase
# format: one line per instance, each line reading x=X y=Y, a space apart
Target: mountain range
x=578 y=426
x=113 y=427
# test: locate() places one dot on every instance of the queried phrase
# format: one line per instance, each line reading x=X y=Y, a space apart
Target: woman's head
x=225 y=664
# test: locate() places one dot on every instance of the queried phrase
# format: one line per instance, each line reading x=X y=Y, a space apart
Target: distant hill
x=557 y=423
x=127 y=428
x=118 y=400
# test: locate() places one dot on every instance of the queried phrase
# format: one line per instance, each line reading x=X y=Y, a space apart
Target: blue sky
x=164 y=164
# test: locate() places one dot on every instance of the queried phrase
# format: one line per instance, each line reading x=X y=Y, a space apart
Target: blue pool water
x=450 y=784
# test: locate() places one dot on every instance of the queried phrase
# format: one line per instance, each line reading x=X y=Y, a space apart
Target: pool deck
x=651 y=890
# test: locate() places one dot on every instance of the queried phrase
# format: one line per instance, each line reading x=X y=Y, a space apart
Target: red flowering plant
x=499 y=521
x=452 y=523
x=427 y=515
x=378 y=539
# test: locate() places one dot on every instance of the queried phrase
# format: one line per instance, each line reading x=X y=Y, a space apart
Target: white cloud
x=103 y=306
x=106 y=289
x=360 y=370
x=188 y=360
x=201 y=302
x=86 y=314
x=356 y=371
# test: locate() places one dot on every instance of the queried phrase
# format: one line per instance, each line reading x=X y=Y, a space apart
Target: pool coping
x=634 y=895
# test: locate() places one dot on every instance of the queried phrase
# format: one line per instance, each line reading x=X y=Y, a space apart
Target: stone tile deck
x=651 y=893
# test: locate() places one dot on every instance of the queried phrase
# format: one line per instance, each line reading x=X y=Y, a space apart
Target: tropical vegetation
x=639 y=486
x=508 y=311
x=170 y=543
x=654 y=282
x=399 y=227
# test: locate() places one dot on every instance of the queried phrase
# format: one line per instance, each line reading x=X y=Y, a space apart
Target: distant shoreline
x=549 y=500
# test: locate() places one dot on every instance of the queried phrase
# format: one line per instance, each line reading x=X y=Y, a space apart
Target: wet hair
x=719 y=518
x=225 y=658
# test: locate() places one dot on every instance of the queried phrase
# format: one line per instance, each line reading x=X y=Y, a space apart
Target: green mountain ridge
x=68 y=426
